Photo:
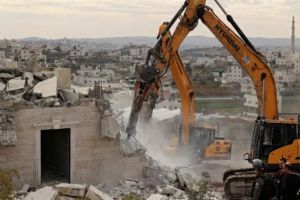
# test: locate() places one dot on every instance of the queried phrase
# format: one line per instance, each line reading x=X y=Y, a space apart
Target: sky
x=117 y=18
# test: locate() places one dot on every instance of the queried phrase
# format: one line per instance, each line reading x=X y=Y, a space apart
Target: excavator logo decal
x=227 y=37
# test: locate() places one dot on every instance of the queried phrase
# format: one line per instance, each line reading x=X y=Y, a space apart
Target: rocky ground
x=158 y=183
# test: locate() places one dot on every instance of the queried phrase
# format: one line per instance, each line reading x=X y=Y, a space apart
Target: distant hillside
x=190 y=42
x=194 y=41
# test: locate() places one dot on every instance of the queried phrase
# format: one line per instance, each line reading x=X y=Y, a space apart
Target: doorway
x=55 y=155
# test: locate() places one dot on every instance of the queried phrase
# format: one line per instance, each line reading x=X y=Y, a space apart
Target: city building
x=234 y=74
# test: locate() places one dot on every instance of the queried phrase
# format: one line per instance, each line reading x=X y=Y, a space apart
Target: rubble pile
x=36 y=88
x=66 y=191
x=158 y=183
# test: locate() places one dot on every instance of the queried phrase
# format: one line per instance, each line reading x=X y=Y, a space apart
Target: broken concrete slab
x=39 y=76
x=45 y=193
x=157 y=197
x=24 y=189
x=186 y=180
x=130 y=146
x=46 y=88
x=75 y=190
x=168 y=190
x=2 y=86
x=29 y=77
x=70 y=96
x=6 y=76
x=95 y=194
x=171 y=177
x=15 y=84
x=14 y=71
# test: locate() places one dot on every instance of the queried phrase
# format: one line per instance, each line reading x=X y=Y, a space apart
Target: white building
x=234 y=74
x=204 y=61
x=297 y=66
x=28 y=53
x=230 y=59
x=252 y=102
x=25 y=54
x=125 y=58
x=114 y=53
x=284 y=79
x=282 y=61
x=108 y=73
x=87 y=76
x=135 y=52
x=110 y=66
x=295 y=60
x=247 y=87
x=6 y=62
x=138 y=52
x=77 y=52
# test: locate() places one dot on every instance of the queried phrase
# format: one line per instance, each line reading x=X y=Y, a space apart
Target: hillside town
x=145 y=118
x=114 y=69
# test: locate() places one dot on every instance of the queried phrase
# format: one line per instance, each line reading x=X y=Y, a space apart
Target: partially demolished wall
x=7 y=126
x=94 y=159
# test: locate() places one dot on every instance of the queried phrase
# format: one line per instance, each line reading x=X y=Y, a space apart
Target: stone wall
x=7 y=126
x=94 y=159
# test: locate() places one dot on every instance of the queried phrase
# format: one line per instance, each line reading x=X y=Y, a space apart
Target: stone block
x=45 y=193
x=95 y=194
x=24 y=189
x=75 y=190
x=157 y=197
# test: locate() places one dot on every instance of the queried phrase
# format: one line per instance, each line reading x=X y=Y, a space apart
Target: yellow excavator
x=202 y=141
x=275 y=135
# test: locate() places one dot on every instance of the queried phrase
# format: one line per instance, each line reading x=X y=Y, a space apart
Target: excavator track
x=238 y=183
x=234 y=171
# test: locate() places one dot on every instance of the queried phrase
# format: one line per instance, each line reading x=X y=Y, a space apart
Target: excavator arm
x=241 y=49
x=165 y=56
x=239 y=46
x=250 y=60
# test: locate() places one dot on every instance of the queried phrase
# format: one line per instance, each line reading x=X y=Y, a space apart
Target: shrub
x=201 y=190
x=6 y=183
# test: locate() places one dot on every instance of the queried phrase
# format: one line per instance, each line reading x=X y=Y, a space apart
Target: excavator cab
x=207 y=145
x=200 y=138
x=275 y=139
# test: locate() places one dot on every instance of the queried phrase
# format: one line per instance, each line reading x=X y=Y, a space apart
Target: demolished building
x=60 y=140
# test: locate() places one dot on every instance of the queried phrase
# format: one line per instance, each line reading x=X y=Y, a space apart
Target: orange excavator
x=275 y=135
x=202 y=141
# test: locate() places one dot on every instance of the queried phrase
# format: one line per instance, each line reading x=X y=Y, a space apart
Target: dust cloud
x=160 y=140
x=157 y=138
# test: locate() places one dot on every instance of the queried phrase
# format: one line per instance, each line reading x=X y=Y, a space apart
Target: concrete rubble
x=158 y=183
x=42 y=89
x=20 y=89
x=75 y=190
x=95 y=194
x=46 y=88
x=45 y=193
